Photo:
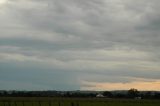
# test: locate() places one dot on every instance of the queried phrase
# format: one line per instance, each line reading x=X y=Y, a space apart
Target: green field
x=33 y=101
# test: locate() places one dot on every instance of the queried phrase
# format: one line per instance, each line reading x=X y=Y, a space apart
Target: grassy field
x=33 y=101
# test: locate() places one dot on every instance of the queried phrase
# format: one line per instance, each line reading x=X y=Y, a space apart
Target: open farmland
x=33 y=101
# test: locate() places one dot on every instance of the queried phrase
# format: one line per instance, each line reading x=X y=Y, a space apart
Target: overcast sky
x=79 y=44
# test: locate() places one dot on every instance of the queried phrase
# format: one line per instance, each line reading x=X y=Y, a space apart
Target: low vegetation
x=49 y=101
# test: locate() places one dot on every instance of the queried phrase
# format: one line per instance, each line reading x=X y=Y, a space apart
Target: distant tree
x=5 y=93
x=107 y=94
x=119 y=95
x=148 y=95
x=132 y=93
x=68 y=94
x=157 y=96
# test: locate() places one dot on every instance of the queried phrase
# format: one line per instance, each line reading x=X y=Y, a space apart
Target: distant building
x=99 y=96
x=138 y=98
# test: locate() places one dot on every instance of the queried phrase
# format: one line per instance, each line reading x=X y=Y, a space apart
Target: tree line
x=131 y=93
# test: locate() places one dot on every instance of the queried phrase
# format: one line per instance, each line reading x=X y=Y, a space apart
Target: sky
x=79 y=44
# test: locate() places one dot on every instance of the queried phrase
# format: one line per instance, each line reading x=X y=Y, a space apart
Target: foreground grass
x=33 y=101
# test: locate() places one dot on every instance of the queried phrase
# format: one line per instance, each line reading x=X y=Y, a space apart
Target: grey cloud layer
x=90 y=38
